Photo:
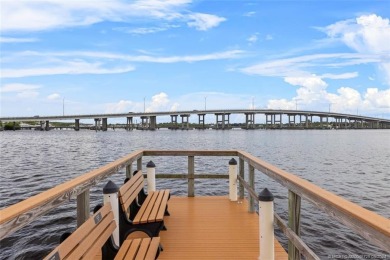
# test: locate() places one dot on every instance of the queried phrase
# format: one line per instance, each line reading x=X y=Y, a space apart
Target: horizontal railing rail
x=369 y=225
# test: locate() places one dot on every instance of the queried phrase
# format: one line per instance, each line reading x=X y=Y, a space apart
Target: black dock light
x=233 y=180
x=151 y=176
x=266 y=225
x=110 y=187
x=266 y=195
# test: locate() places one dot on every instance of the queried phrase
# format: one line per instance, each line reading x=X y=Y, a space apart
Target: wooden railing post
x=294 y=219
x=82 y=207
x=191 y=177
x=242 y=175
x=252 y=185
x=129 y=171
x=139 y=164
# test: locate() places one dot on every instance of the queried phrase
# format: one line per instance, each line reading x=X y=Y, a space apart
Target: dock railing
x=371 y=226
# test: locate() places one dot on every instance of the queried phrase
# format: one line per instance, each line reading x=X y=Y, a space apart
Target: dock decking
x=212 y=228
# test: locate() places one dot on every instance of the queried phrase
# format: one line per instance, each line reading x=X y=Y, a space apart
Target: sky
x=114 y=56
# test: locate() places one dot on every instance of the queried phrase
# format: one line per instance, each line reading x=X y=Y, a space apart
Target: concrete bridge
x=273 y=119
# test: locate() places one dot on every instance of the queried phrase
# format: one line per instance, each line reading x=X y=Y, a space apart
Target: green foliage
x=12 y=126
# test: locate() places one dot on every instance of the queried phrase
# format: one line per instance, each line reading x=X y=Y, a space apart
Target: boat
x=236 y=225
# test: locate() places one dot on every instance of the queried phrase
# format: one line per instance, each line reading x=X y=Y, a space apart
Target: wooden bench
x=95 y=235
x=141 y=212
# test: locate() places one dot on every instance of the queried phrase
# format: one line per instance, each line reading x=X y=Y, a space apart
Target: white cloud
x=65 y=67
x=17 y=40
x=203 y=22
x=92 y=62
x=349 y=75
x=54 y=14
x=159 y=103
x=18 y=87
x=122 y=106
x=368 y=34
x=269 y=37
x=21 y=90
x=312 y=94
x=53 y=96
x=249 y=14
x=253 y=38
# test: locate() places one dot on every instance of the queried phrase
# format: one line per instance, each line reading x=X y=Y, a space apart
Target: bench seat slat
x=153 y=248
x=133 y=249
x=144 y=206
x=146 y=214
x=92 y=252
x=143 y=248
x=123 y=249
x=156 y=207
x=93 y=236
x=129 y=191
x=164 y=201
x=79 y=234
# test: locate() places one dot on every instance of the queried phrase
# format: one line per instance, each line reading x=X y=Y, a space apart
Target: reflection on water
x=352 y=164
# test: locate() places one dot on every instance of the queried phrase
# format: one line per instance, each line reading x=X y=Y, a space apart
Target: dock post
x=139 y=164
x=266 y=225
x=191 y=176
x=233 y=180
x=294 y=219
x=242 y=175
x=252 y=185
x=151 y=176
x=128 y=171
x=77 y=124
x=110 y=195
x=82 y=207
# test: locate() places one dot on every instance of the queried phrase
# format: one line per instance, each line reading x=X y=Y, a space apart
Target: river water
x=354 y=164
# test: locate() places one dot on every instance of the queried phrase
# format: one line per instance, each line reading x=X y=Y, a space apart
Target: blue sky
x=110 y=56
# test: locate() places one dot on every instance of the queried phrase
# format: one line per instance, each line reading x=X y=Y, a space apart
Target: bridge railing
x=373 y=227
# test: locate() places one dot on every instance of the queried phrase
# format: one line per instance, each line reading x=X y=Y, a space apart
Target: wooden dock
x=212 y=228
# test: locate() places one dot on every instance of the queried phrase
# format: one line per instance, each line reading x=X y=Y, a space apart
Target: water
x=351 y=163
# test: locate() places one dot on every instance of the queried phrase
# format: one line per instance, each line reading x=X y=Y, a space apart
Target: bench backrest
x=87 y=240
x=130 y=190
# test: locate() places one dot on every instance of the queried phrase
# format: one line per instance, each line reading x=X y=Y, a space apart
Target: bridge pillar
x=185 y=125
x=307 y=121
x=97 y=124
x=291 y=123
x=301 y=122
x=269 y=119
x=104 y=124
x=153 y=123
x=129 y=123
x=278 y=120
x=201 y=121
x=174 y=122
x=144 y=123
x=249 y=120
x=77 y=124
x=47 y=125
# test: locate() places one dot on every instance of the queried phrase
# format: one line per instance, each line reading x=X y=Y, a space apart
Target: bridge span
x=273 y=119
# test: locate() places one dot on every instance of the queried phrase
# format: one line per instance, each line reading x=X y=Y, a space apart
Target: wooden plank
x=123 y=249
x=190 y=153
x=99 y=242
x=143 y=249
x=137 y=218
x=131 y=192
x=146 y=209
x=368 y=224
x=157 y=204
x=18 y=215
x=234 y=236
x=133 y=249
x=153 y=247
x=164 y=201
x=91 y=238
x=79 y=234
